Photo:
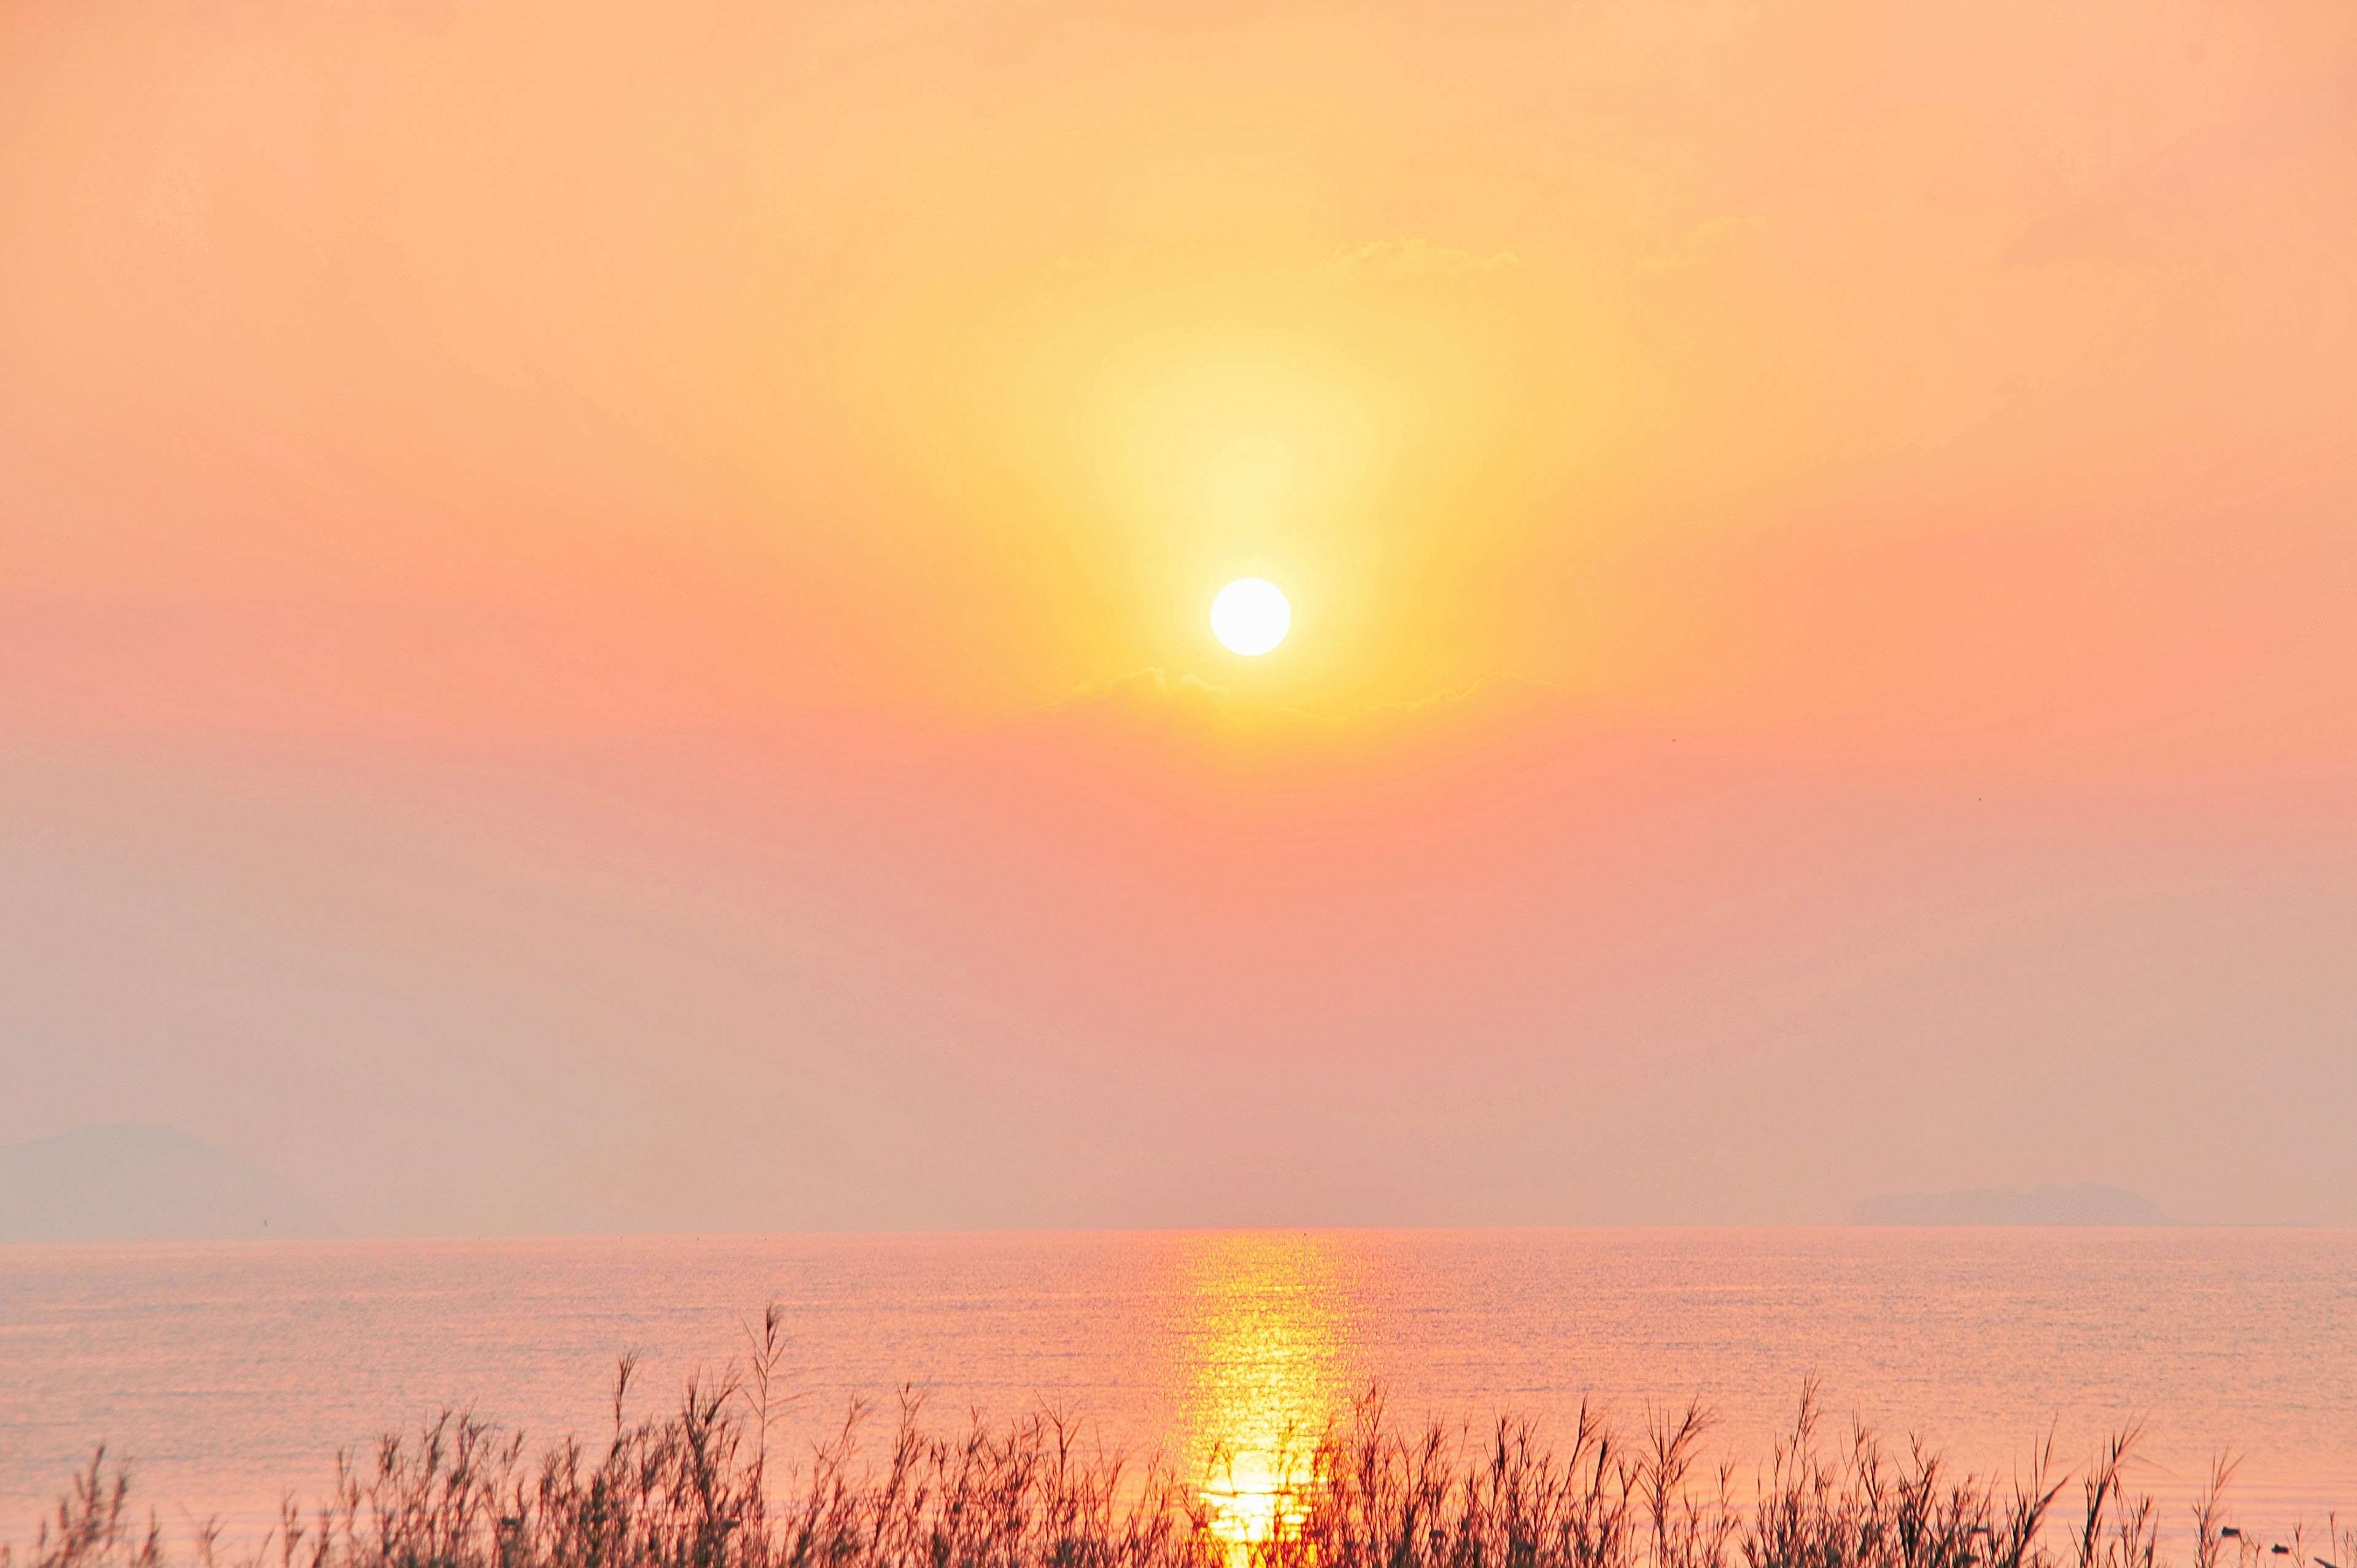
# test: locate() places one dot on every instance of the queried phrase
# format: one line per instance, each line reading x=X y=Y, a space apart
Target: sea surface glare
x=231 y=1374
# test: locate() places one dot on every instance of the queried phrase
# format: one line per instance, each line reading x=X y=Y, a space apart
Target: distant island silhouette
x=137 y=1181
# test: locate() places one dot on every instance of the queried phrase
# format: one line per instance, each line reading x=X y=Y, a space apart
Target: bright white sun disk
x=1250 y=617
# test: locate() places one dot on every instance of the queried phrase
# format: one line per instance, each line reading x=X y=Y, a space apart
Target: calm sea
x=231 y=1373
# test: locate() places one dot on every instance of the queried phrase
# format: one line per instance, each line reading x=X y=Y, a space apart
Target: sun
x=1251 y=616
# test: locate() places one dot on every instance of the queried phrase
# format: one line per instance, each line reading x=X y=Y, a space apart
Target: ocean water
x=231 y=1374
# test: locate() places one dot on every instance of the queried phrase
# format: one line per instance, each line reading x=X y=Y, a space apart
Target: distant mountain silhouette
x=2088 y=1203
x=141 y=1183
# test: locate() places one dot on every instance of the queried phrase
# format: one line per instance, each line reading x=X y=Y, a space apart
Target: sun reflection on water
x=1269 y=1357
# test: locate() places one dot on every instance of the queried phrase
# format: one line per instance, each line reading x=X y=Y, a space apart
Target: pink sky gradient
x=602 y=607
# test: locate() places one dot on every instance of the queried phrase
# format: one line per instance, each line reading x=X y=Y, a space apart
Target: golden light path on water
x=1266 y=1359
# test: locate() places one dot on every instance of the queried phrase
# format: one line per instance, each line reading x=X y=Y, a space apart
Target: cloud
x=1706 y=242
x=1151 y=699
x=1410 y=259
x=1499 y=690
x=1147 y=698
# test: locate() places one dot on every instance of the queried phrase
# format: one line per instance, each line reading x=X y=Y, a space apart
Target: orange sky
x=1823 y=542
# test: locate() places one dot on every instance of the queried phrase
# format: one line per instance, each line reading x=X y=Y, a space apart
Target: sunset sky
x=604 y=608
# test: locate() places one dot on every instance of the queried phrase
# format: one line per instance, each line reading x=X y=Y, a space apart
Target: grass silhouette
x=699 y=1487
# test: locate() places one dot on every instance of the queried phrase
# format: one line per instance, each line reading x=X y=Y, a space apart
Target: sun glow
x=1250 y=617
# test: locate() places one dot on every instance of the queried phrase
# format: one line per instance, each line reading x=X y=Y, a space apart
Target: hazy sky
x=603 y=608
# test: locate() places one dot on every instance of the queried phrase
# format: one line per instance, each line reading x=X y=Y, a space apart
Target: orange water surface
x=232 y=1373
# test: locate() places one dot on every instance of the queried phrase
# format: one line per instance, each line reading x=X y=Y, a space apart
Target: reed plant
x=699 y=1487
